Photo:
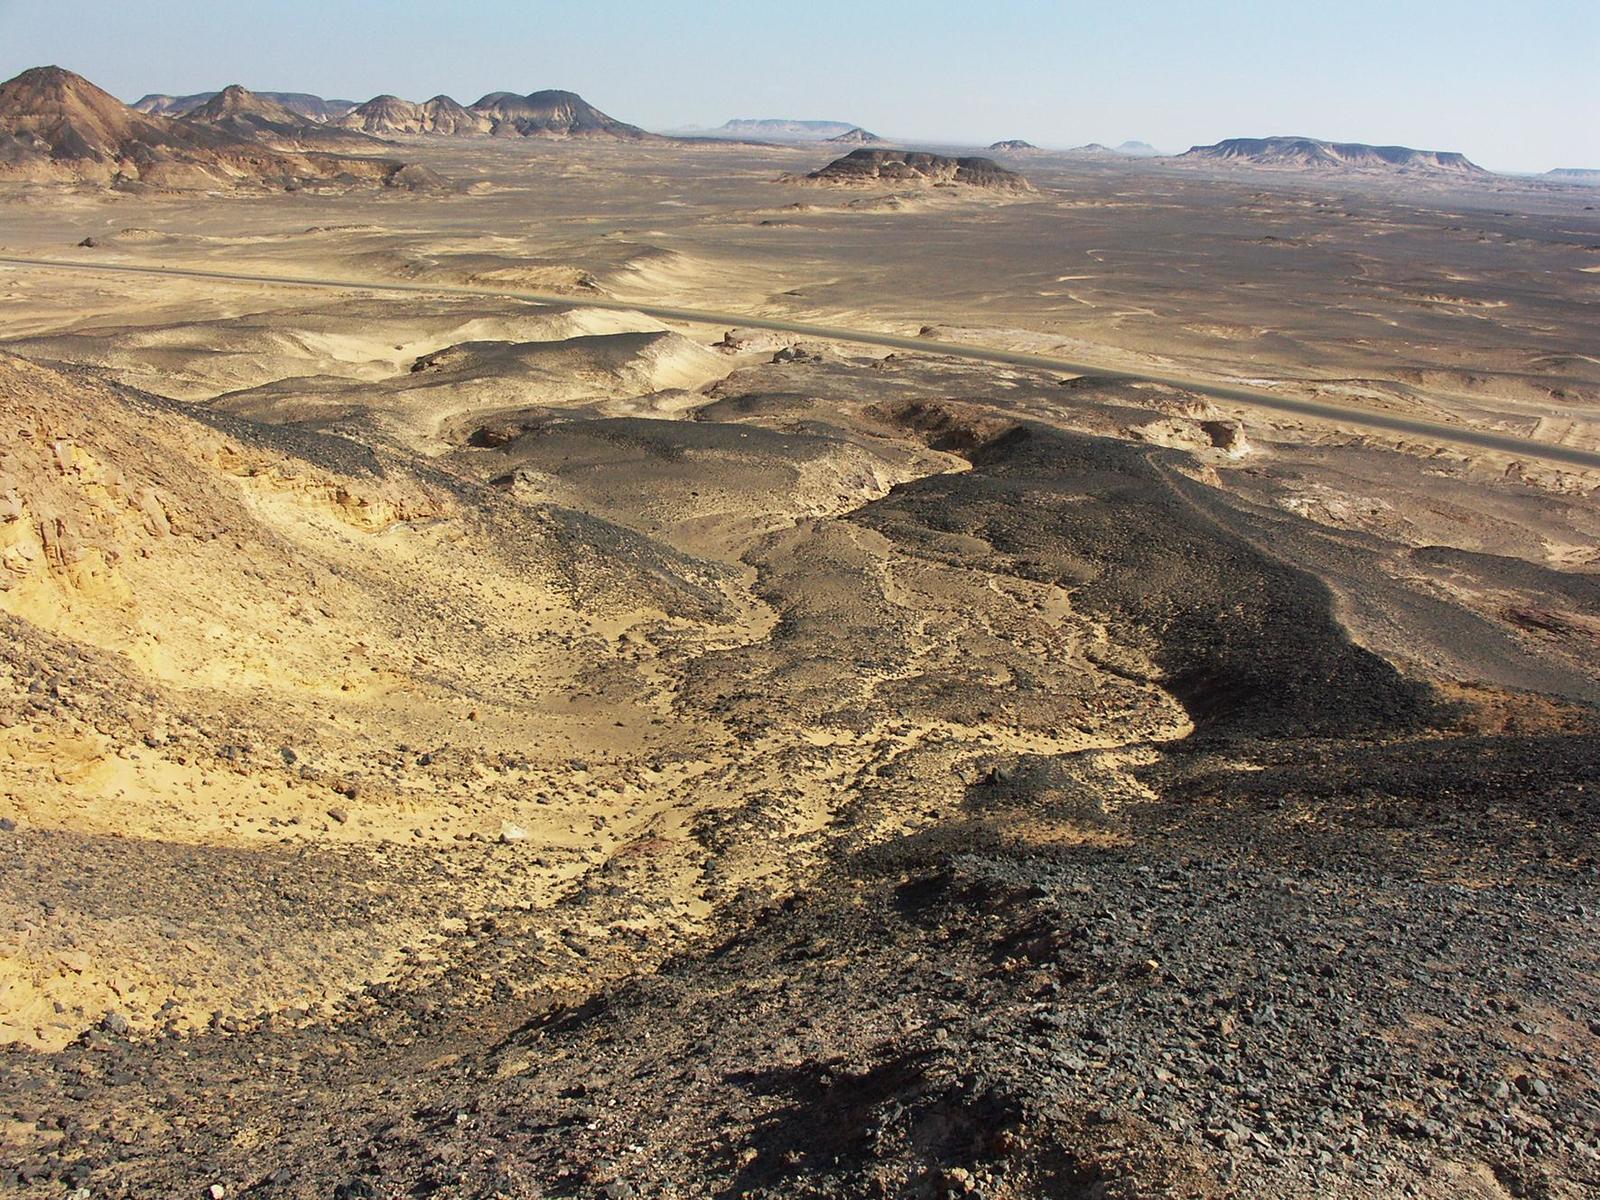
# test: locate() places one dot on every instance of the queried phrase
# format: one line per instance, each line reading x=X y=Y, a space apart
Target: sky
x=1515 y=85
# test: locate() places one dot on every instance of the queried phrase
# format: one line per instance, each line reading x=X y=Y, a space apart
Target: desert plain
x=505 y=695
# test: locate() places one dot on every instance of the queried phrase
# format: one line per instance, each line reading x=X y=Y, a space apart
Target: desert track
x=1345 y=417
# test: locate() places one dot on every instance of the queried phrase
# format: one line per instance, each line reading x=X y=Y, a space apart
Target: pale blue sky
x=1514 y=85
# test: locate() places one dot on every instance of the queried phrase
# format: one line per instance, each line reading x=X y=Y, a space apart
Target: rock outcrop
x=1302 y=153
x=253 y=117
x=856 y=137
x=303 y=104
x=57 y=126
x=390 y=115
x=868 y=166
x=551 y=114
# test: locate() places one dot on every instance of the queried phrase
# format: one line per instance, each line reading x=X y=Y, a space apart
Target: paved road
x=1346 y=417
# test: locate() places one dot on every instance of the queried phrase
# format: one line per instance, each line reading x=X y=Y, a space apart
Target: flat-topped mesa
x=552 y=114
x=1311 y=154
x=783 y=129
x=869 y=166
x=390 y=114
x=57 y=126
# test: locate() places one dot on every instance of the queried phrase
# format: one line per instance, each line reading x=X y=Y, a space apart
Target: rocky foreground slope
x=640 y=770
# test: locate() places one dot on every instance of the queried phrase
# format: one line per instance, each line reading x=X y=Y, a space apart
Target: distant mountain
x=1589 y=175
x=856 y=136
x=782 y=130
x=1014 y=145
x=253 y=117
x=547 y=114
x=390 y=114
x=1300 y=153
x=313 y=108
x=1124 y=150
x=55 y=125
x=551 y=114
x=905 y=166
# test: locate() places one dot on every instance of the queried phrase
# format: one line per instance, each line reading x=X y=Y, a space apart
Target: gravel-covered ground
x=1339 y=941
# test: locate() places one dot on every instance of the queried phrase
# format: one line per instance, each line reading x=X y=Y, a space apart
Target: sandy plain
x=386 y=669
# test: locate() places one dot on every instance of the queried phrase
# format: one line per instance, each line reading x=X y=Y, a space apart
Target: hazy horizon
x=1508 y=89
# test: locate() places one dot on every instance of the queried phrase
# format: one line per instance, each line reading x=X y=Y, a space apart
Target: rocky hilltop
x=390 y=114
x=1013 y=144
x=1575 y=175
x=551 y=114
x=254 y=117
x=57 y=126
x=856 y=137
x=303 y=104
x=1302 y=153
x=868 y=166
x=543 y=114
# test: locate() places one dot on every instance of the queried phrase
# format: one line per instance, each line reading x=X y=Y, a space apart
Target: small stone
x=7 y=825
x=959 y=1179
x=339 y=814
x=216 y=1191
x=512 y=833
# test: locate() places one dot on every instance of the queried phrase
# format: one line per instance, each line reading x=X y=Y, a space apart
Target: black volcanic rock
x=1310 y=154
x=908 y=166
x=1013 y=144
x=551 y=114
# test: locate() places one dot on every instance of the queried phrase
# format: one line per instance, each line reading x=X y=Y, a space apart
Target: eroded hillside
x=453 y=745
